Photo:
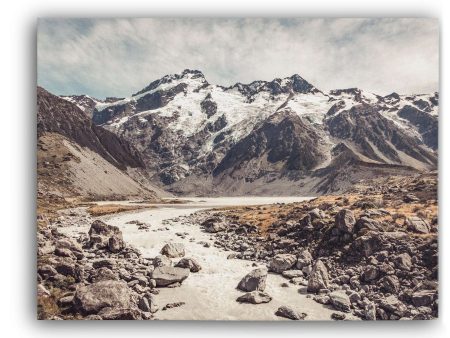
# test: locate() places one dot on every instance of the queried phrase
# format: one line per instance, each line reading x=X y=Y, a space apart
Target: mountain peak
x=185 y=74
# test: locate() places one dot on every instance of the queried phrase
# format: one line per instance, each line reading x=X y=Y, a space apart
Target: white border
x=17 y=119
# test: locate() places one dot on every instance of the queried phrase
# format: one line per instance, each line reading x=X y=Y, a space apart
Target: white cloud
x=117 y=57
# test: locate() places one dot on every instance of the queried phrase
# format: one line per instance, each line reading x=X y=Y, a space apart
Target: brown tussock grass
x=106 y=209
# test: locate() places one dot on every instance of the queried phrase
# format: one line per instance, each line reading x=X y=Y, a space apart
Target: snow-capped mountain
x=279 y=137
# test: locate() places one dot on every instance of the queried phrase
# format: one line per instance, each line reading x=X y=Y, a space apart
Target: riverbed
x=211 y=293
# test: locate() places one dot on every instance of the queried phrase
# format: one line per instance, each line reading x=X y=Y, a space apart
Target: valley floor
x=211 y=293
x=378 y=243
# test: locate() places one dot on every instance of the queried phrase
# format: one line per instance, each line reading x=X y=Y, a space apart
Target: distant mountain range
x=283 y=137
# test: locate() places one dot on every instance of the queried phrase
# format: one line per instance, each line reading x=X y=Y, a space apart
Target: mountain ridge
x=184 y=126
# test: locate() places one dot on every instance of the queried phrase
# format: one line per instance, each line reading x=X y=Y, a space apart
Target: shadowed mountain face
x=77 y=158
x=198 y=138
x=59 y=116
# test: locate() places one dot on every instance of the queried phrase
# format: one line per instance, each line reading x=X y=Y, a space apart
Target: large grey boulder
x=403 y=261
x=189 y=263
x=173 y=250
x=254 y=297
x=147 y=304
x=370 y=273
x=287 y=312
x=282 y=262
x=90 y=299
x=254 y=280
x=340 y=301
x=417 y=224
x=162 y=260
x=345 y=220
x=116 y=243
x=100 y=233
x=166 y=275
x=304 y=259
x=318 y=278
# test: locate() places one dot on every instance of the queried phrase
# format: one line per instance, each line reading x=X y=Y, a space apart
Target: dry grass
x=106 y=209
x=264 y=216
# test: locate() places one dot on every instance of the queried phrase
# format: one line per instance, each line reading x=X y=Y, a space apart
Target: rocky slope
x=281 y=136
x=79 y=159
x=372 y=252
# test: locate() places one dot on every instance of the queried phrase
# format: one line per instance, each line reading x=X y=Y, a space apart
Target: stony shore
x=356 y=254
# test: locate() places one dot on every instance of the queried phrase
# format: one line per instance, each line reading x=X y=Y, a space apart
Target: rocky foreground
x=371 y=253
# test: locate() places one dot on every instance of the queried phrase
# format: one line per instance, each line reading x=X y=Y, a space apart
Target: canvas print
x=256 y=169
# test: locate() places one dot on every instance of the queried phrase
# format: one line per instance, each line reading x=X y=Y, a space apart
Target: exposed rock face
x=92 y=298
x=173 y=250
x=318 y=279
x=58 y=115
x=195 y=136
x=282 y=262
x=167 y=275
x=254 y=281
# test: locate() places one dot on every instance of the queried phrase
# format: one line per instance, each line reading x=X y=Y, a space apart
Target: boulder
x=370 y=273
x=345 y=220
x=189 y=263
x=116 y=243
x=282 y=262
x=289 y=274
x=214 y=224
x=173 y=250
x=166 y=275
x=316 y=213
x=423 y=297
x=112 y=313
x=254 y=281
x=393 y=305
x=102 y=274
x=403 y=262
x=340 y=301
x=147 y=304
x=287 y=312
x=417 y=224
x=390 y=284
x=303 y=259
x=366 y=224
x=90 y=299
x=318 y=278
x=162 y=260
x=254 y=297
x=100 y=232
x=370 y=311
x=368 y=244
x=104 y=263
x=338 y=316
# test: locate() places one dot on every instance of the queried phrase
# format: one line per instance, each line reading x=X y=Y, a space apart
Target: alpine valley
x=283 y=137
x=263 y=201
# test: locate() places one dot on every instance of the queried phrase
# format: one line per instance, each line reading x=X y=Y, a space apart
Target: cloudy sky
x=117 y=57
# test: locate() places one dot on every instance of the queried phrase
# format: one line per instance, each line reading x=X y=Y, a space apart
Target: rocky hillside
x=372 y=252
x=78 y=158
x=274 y=137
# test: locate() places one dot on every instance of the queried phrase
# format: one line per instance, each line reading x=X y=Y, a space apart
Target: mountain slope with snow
x=280 y=136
